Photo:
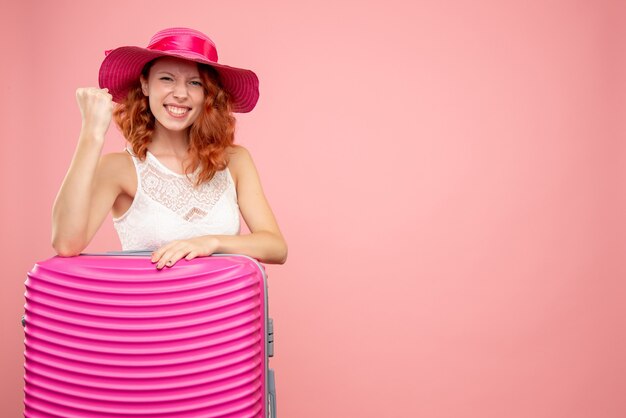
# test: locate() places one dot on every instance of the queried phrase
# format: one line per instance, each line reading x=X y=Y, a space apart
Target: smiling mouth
x=176 y=111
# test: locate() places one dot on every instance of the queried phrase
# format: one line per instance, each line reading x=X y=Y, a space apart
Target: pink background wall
x=449 y=177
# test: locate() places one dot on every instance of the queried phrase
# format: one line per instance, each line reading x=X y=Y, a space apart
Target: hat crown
x=184 y=40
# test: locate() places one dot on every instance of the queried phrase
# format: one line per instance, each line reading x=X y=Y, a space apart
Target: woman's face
x=175 y=92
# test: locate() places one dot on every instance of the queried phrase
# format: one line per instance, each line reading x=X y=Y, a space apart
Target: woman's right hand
x=96 y=107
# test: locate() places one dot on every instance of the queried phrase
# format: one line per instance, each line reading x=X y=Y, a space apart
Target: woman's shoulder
x=239 y=160
x=118 y=167
x=116 y=161
x=236 y=153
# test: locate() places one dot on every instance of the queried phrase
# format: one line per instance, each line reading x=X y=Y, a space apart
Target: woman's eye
x=165 y=78
x=196 y=83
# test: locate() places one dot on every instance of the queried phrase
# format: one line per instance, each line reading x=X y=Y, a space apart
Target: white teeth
x=177 y=110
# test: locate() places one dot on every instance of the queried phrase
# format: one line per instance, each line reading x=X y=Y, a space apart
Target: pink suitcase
x=112 y=336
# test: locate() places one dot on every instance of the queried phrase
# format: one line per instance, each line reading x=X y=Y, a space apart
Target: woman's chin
x=172 y=126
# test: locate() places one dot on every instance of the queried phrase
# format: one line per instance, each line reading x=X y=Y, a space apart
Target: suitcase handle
x=271 y=392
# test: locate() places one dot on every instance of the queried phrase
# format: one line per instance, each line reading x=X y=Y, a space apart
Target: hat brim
x=122 y=67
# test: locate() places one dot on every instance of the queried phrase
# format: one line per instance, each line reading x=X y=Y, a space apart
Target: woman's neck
x=166 y=142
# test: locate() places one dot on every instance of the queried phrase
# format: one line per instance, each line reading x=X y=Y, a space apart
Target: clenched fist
x=96 y=107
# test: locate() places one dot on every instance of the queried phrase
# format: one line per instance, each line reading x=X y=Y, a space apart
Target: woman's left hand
x=170 y=253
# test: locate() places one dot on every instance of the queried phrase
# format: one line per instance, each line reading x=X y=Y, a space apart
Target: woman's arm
x=265 y=241
x=88 y=190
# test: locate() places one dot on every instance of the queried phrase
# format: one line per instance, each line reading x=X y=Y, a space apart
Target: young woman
x=179 y=186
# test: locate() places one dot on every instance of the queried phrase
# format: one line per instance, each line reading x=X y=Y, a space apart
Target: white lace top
x=166 y=207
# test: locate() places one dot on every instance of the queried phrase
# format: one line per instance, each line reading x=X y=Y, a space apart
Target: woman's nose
x=180 y=89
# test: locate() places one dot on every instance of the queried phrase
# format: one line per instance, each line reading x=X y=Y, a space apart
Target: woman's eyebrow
x=167 y=72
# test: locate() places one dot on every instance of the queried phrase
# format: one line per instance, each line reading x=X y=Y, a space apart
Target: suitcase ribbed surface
x=111 y=336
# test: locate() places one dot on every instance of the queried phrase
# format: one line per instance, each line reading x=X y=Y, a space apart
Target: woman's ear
x=144 y=85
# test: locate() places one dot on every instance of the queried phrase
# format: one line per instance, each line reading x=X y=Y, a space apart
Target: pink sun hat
x=122 y=66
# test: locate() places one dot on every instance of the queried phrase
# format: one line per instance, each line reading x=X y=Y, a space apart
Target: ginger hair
x=209 y=136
